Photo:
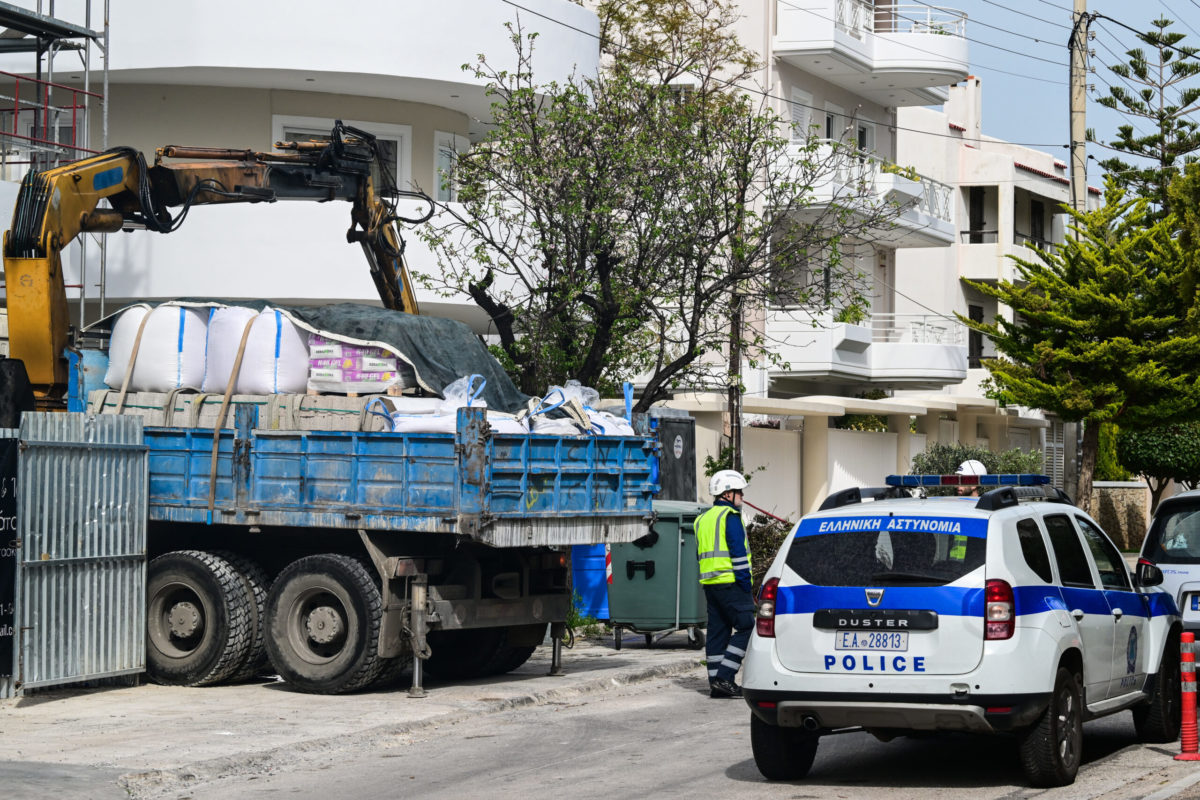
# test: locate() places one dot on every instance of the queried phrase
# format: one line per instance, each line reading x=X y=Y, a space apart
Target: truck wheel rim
x=317 y=626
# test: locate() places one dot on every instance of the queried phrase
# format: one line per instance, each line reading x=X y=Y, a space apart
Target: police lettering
x=875 y=663
x=882 y=622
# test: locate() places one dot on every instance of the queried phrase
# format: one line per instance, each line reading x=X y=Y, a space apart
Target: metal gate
x=81 y=560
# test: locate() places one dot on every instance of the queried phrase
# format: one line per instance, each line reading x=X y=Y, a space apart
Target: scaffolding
x=46 y=121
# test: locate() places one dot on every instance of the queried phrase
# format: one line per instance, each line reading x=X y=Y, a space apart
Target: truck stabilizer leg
x=418 y=628
x=557 y=629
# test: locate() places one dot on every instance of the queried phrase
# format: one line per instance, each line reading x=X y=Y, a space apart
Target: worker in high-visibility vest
x=724 y=555
x=972 y=468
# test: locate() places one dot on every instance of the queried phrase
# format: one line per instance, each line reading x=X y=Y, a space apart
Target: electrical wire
x=1177 y=16
x=767 y=95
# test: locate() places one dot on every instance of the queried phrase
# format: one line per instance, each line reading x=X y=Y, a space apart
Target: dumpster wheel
x=696 y=638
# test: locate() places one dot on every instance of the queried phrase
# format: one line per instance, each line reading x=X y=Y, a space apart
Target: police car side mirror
x=1148 y=574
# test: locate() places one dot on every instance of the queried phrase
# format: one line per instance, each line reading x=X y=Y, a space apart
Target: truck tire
x=323 y=617
x=198 y=619
x=1157 y=720
x=257 y=584
x=1051 y=749
x=510 y=658
x=782 y=754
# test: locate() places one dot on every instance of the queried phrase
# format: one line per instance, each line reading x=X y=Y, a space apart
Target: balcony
x=982 y=256
x=908 y=350
x=921 y=209
x=892 y=54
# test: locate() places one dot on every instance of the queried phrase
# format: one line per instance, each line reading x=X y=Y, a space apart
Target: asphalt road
x=666 y=738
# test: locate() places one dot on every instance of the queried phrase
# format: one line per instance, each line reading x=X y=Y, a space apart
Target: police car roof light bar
x=1003 y=479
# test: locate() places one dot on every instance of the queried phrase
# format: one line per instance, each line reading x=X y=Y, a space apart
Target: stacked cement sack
x=275 y=360
x=169 y=342
x=335 y=366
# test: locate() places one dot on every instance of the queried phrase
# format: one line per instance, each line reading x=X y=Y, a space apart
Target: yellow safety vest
x=712 y=549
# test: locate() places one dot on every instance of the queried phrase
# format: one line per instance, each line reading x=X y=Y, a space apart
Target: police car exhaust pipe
x=810 y=723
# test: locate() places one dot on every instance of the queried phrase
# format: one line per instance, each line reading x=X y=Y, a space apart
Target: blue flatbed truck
x=340 y=558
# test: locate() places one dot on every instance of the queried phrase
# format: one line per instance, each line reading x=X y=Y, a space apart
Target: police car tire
x=1051 y=749
x=782 y=754
x=1157 y=720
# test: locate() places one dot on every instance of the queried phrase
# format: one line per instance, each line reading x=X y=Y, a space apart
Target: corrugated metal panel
x=81 y=512
x=7 y=561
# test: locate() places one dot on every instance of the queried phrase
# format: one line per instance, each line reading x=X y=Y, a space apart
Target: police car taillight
x=764 y=623
x=1000 y=618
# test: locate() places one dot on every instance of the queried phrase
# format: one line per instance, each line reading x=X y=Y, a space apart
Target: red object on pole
x=764 y=511
x=608 y=565
x=1189 y=739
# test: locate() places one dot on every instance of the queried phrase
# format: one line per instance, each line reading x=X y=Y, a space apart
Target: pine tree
x=1101 y=329
x=1166 y=102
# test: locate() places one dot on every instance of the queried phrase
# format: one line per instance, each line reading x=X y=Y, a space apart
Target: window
x=1110 y=565
x=974 y=338
x=1033 y=547
x=800 y=115
x=1176 y=535
x=885 y=558
x=447 y=146
x=1037 y=222
x=865 y=136
x=1072 y=563
x=834 y=122
x=395 y=142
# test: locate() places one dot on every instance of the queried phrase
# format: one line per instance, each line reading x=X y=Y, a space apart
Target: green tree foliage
x=944 y=458
x=1100 y=330
x=1156 y=88
x=613 y=227
x=1163 y=454
x=1108 y=463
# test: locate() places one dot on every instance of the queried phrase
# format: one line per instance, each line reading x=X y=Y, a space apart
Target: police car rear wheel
x=1050 y=750
x=782 y=754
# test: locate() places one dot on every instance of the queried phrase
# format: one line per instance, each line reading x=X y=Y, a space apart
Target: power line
x=1024 y=15
x=750 y=90
x=1177 y=16
x=1183 y=53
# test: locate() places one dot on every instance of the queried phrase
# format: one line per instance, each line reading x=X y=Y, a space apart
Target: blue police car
x=1007 y=613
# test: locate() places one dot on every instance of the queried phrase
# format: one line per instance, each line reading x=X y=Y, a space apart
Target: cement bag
x=463 y=392
x=276 y=357
x=569 y=418
x=225 y=327
x=606 y=424
x=170 y=354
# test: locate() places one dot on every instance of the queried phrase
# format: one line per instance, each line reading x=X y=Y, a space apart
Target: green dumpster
x=655 y=587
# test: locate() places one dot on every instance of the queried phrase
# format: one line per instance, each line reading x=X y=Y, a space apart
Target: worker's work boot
x=723 y=688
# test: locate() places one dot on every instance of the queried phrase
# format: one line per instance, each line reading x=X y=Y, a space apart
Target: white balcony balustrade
x=910 y=350
x=895 y=54
x=915 y=210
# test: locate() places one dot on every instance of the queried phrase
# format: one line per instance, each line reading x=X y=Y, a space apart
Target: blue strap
x=473 y=396
x=543 y=408
x=382 y=405
x=628 y=387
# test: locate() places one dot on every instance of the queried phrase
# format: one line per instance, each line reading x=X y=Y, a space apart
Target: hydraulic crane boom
x=55 y=206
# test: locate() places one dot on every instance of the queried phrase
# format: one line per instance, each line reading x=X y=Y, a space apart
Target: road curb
x=153 y=783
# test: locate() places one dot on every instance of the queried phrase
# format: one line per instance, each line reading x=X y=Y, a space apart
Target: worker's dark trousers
x=730 y=621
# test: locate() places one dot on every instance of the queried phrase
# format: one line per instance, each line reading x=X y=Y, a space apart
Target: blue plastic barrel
x=591 y=583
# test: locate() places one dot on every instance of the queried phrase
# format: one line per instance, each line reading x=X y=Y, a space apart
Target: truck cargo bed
x=503 y=490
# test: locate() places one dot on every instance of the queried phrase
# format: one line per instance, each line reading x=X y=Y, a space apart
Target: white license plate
x=871 y=640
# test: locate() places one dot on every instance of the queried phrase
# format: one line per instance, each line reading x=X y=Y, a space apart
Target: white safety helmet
x=971 y=467
x=724 y=481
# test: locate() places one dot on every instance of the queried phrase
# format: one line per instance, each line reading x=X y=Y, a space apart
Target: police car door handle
x=1077 y=613
x=1117 y=613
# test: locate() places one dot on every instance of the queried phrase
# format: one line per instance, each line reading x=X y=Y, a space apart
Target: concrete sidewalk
x=149 y=740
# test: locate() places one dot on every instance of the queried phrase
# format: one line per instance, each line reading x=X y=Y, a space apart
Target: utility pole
x=1078 y=485
x=1078 y=90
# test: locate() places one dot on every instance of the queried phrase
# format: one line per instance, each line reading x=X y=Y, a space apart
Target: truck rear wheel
x=197 y=619
x=323 y=618
x=257 y=584
x=459 y=655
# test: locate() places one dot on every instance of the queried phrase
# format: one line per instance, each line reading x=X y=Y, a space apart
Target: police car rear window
x=889 y=550
x=1174 y=537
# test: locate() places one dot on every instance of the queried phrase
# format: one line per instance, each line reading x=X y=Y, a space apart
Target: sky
x=1018 y=48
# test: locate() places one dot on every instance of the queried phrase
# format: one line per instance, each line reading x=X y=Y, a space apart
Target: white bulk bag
x=276 y=357
x=225 y=327
x=170 y=354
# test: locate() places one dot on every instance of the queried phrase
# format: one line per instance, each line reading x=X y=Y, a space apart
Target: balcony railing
x=857 y=18
x=1034 y=242
x=917 y=329
x=991 y=237
x=859 y=173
